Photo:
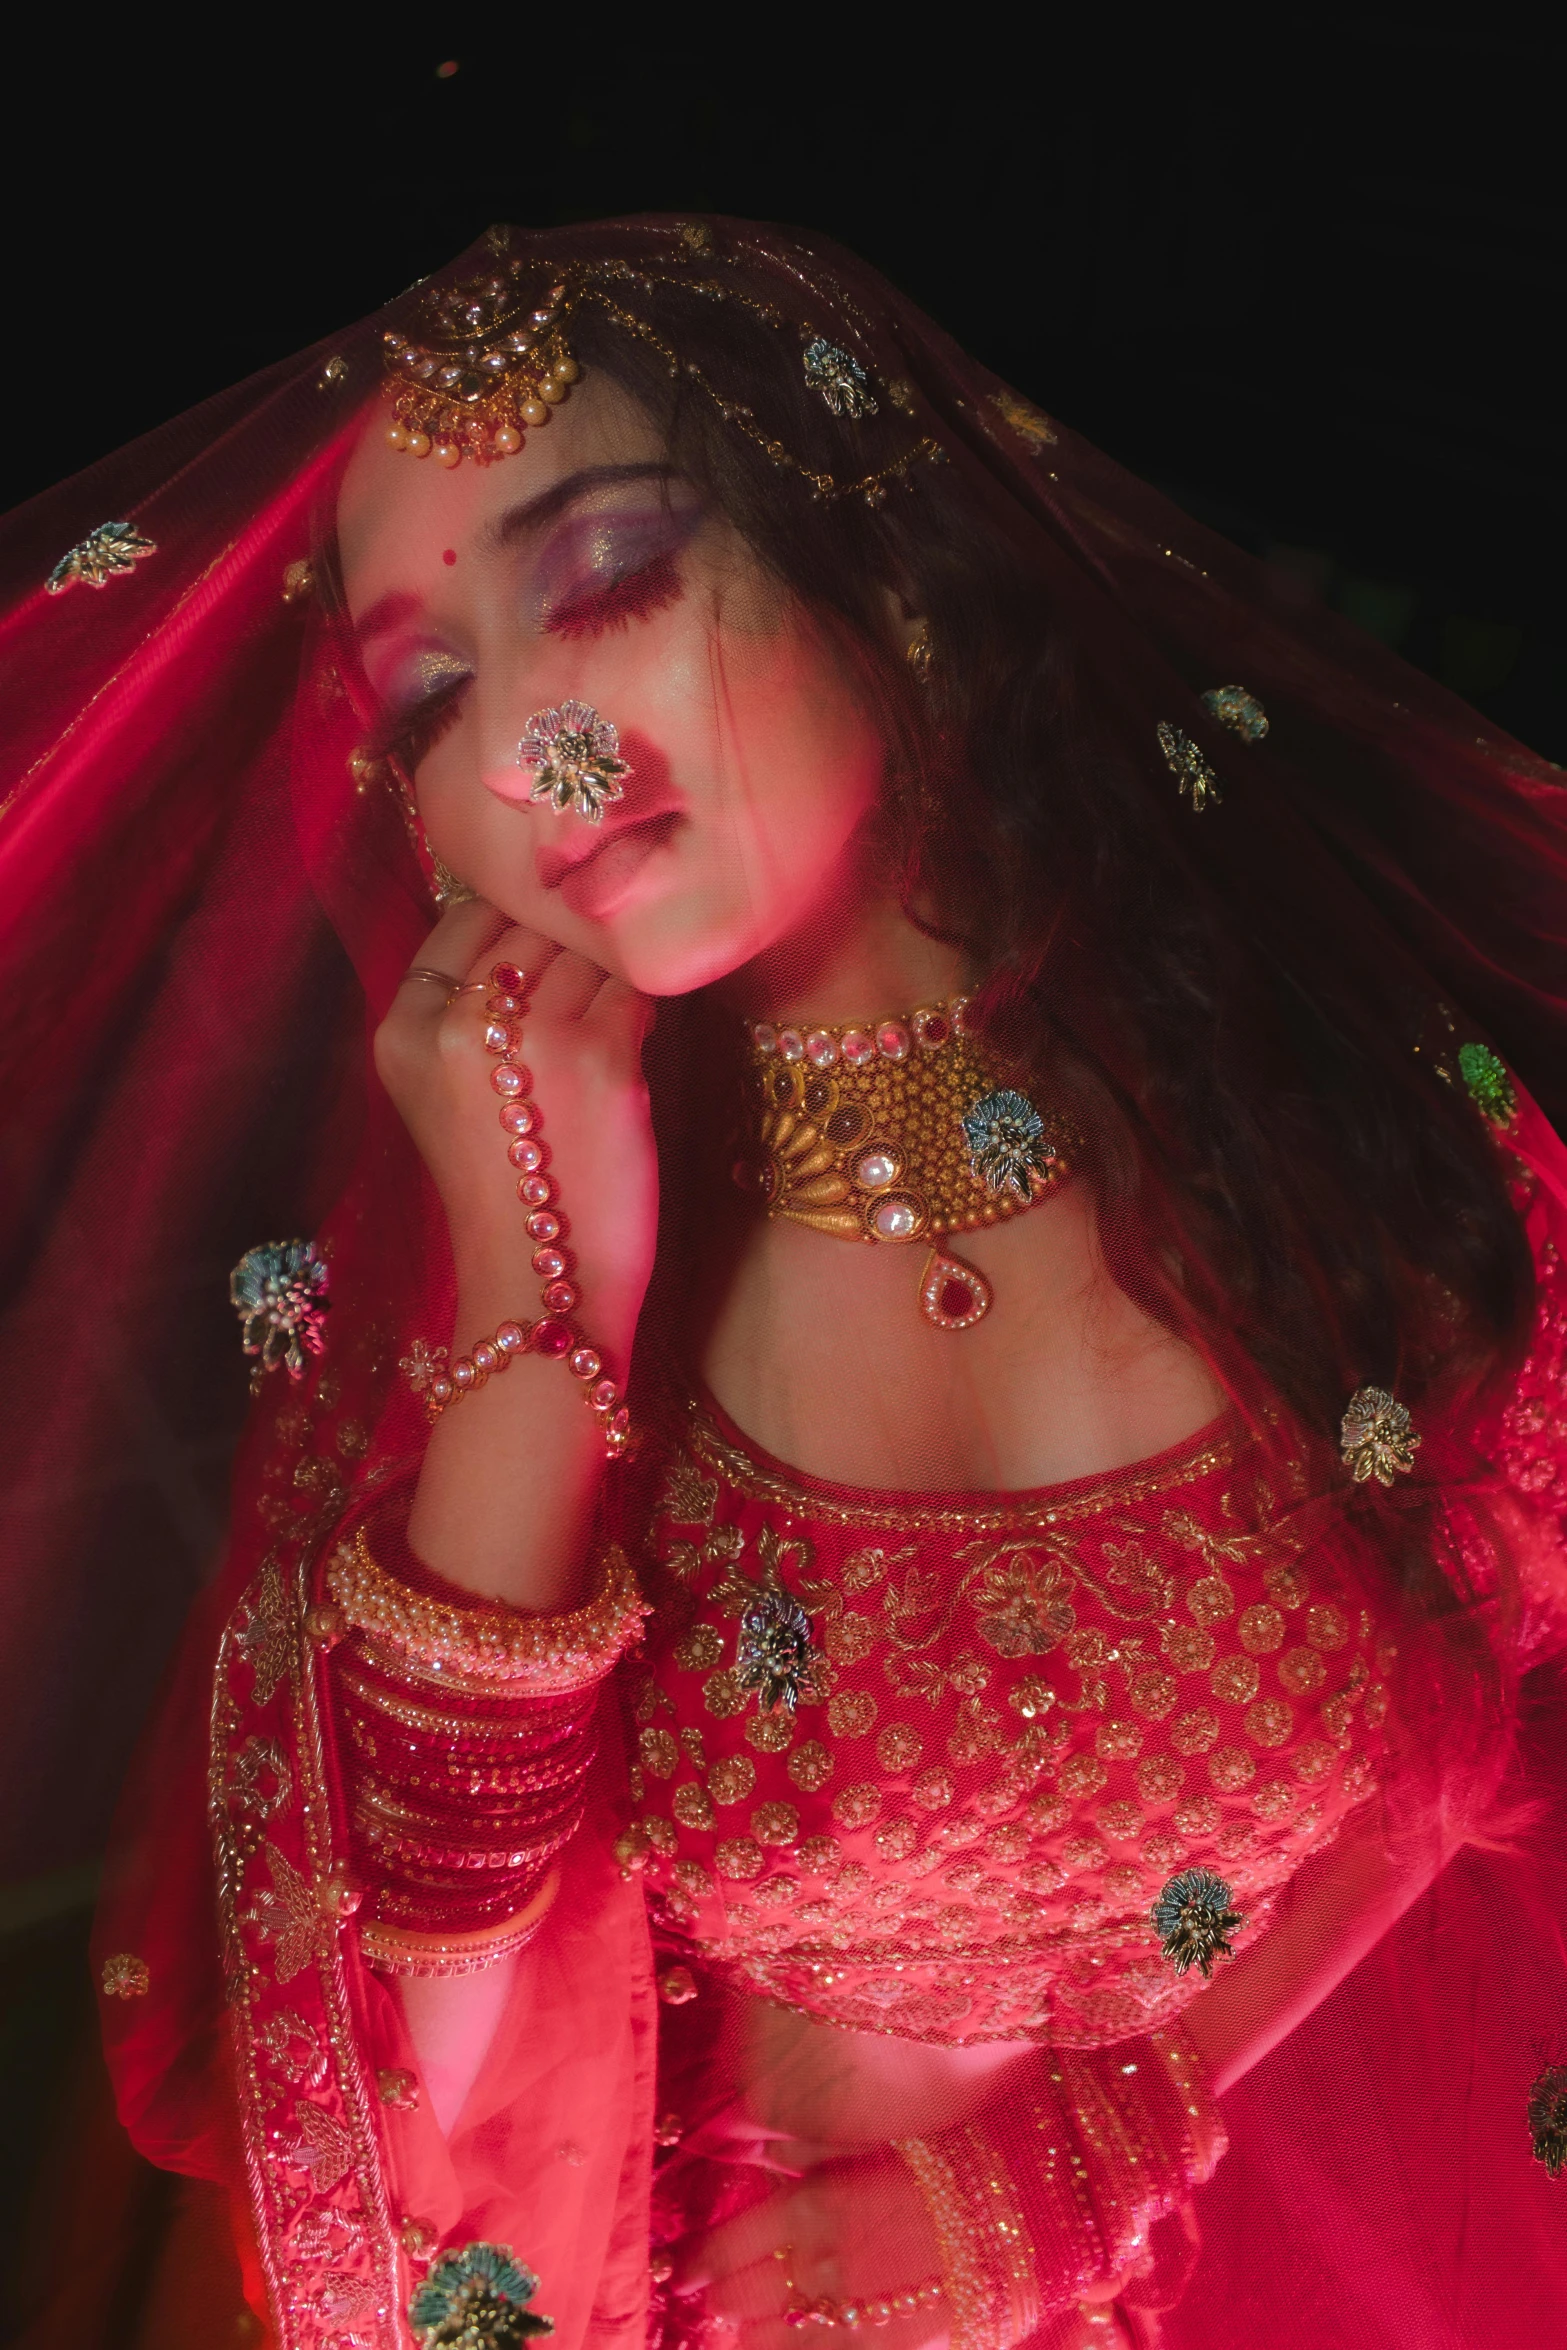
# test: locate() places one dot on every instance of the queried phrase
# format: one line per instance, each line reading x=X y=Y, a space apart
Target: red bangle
x=555 y=1334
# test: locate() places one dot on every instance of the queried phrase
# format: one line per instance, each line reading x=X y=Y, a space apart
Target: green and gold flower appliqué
x=476 y=2299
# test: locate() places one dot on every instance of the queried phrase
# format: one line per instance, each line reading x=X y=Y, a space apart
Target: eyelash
x=616 y=606
x=413 y=734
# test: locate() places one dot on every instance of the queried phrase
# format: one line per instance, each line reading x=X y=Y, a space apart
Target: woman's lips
x=591 y=885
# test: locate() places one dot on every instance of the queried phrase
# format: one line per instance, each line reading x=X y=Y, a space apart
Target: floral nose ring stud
x=577 y=757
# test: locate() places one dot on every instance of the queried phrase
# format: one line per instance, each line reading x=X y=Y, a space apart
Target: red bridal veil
x=208 y=898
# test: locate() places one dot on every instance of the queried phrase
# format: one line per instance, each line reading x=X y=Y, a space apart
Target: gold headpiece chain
x=489 y=364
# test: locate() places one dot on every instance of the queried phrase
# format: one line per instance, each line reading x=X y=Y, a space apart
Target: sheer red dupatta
x=202 y=917
x=238 y=1811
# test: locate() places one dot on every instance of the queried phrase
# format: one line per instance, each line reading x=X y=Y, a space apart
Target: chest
x=819 y=1348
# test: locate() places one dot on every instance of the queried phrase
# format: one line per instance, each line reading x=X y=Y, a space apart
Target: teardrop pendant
x=953 y=1295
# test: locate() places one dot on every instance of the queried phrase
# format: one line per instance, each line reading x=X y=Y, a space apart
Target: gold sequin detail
x=731 y=1779
x=548 y=1654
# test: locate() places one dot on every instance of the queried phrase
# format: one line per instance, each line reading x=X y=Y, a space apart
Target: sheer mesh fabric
x=1034 y=1708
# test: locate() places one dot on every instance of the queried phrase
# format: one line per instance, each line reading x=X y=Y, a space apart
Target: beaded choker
x=897 y=1132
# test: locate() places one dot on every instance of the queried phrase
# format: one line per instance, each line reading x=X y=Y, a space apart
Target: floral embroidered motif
x=125 y=1976
x=1006 y=1139
x=320 y=2145
x=104 y=554
x=1376 y=1438
x=265 y=1638
x=1025 y=420
x=1548 y=2119
x=840 y=380
x=1021 y=1607
x=577 y=755
x=689 y=1498
x=421 y=1364
x=1191 y=770
x=1240 y=711
x=732 y=1780
x=290 y=1916
x=477 y=2299
x=260 y=1780
x=1490 y=1083
x=294 y=2048
x=1193 y=1918
x=280 y=1288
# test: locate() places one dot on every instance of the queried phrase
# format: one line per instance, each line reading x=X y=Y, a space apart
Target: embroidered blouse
x=913 y=1763
x=1002 y=1723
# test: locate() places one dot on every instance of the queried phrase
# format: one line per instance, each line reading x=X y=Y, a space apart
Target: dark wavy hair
x=1280 y=1178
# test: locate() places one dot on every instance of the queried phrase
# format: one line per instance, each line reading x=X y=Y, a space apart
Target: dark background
x=1305 y=271
x=1302 y=271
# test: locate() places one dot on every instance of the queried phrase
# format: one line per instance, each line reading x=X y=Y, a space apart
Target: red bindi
x=449 y=555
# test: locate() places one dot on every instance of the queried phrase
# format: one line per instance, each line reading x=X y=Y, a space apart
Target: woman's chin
x=671 y=947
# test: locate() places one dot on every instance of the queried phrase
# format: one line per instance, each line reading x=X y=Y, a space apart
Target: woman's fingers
x=754 y=2240
x=749 y=2294
x=510 y=942
x=460 y=935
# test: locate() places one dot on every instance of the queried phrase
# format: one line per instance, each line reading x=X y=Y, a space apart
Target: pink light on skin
x=590 y=572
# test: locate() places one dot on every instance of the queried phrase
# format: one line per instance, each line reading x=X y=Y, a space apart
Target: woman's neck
x=844 y=965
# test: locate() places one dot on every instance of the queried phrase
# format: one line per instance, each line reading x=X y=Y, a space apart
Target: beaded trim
x=549 y=1654
x=1218 y=1446
x=976 y=2278
x=402 y=1950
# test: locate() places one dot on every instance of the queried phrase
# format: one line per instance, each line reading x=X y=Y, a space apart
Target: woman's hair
x=1282 y=1178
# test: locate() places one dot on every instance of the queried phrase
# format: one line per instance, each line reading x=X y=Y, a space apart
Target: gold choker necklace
x=896 y=1131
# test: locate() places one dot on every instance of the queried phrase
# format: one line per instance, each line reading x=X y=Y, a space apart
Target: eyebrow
x=521 y=521
x=392 y=610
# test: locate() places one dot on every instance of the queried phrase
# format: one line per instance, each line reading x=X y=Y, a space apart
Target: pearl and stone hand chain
x=554 y=1335
x=865 y=2309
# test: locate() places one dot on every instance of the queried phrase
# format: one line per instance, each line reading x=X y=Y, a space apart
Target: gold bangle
x=406 y=1950
x=986 y=2260
x=511 y=1653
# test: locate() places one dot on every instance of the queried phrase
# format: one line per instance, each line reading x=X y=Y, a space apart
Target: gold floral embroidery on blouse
x=1029 y=1729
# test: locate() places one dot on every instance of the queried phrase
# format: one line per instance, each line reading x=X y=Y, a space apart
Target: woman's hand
x=853 y=2230
x=582 y=1039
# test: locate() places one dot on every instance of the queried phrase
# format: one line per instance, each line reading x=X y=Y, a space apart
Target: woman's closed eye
x=423 y=702
x=596 y=610
x=604 y=571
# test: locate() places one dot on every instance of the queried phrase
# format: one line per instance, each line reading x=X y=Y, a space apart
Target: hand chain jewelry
x=553 y=1335
x=865 y=2309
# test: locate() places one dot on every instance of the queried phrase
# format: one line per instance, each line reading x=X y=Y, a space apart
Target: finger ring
x=472 y=987
x=436 y=978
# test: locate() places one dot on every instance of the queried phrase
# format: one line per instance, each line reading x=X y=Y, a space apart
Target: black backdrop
x=1303 y=270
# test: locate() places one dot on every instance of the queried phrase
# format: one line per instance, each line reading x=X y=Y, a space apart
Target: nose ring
x=576 y=755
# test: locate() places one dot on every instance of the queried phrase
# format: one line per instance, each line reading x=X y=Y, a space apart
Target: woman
x=785 y=1785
